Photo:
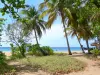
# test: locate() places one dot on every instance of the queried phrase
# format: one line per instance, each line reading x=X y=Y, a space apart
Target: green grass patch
x=54 y=64
x=7 y=70
x=60 y=54
x=91 y=57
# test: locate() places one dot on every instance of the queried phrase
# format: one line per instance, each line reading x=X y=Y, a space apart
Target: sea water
x=60 y=49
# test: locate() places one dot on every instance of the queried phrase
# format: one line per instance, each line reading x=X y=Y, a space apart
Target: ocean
x=60 y=49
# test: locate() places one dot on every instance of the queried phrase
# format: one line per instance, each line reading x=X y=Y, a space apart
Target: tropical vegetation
x=79 y=18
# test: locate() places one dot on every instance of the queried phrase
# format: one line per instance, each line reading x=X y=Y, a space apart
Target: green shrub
x=16 y=56
x=12 y=49
x=4 y=68
x=16 y=53
x=95 y=52
x=38 y=51
x=7 y=70
x=48 y=50
x=54 y=64
x=2 y=58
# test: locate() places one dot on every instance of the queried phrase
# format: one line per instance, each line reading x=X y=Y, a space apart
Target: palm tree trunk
x=80 y=44
x=69 y=51
x=43 y=52
x=36 y=37
x=87 y=43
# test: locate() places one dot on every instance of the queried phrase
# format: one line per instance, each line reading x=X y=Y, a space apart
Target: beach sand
x=7 y=53
x=73 y=52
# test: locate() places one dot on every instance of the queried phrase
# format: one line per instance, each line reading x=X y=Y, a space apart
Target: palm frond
x=33 y=22
x=38 y=31
x=44 y=14
x=49 y=5
x=68 y=14
x=42 y=26
x=51 y=19
x=42 y=5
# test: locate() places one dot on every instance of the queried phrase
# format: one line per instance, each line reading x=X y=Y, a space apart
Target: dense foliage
x=95 y=52
x=48 y=50
x=80 y=18
x=38 y=51
x=2 y=58
x=16 y=52
x=11 y=6
x=28 y=49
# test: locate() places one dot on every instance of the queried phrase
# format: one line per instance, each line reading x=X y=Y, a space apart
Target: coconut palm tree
x=33 y=23
x=86 y=33
x=74 y=32
x=80 y=28
x=56 y=8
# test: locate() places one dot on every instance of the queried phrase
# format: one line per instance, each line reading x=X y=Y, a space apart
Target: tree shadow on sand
x=77 y=55
x=20 y=68
x=26 y=68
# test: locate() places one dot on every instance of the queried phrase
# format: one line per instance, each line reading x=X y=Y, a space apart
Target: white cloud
x=55 y=37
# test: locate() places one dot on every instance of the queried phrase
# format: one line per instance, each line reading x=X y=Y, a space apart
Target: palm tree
x=83 y=23
x=80 y=29
x=86 y=33
x=95 y=19
x=33 y=23
x=80 y=43
x=74 y=32
x=56 y=8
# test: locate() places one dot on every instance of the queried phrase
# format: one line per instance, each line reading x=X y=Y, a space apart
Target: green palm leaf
x=44 y=14
x=51 y=19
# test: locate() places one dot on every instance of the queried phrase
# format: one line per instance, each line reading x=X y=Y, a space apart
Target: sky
x=53 y=37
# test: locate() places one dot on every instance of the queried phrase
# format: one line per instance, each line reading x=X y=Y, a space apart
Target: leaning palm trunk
x=36 y=37
x=80 y=44
x=42 y=51
x=69 y=51
x=87 y=43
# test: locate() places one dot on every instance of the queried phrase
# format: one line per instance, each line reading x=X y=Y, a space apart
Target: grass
x=91 y=57
x=7 y=70
x=54 y=64
x=61 y=54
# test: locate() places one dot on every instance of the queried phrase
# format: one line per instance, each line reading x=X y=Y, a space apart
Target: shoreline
x=77 y=51
x=67 y=51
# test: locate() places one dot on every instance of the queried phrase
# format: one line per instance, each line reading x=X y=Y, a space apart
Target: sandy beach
x=7 y=53
x=73 y=52
x=67 y=52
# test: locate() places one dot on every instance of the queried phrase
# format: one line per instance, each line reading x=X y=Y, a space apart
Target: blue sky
x=54 y=37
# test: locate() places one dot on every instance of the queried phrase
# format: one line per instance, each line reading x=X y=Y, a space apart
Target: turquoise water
x=7 y=49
